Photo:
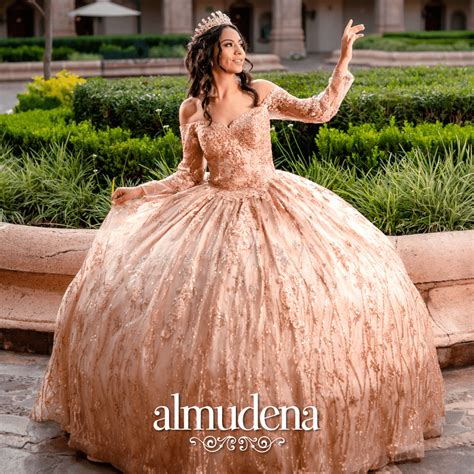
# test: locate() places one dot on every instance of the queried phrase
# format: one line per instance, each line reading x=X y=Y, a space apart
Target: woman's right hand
x=351 y=34
x=122 y=195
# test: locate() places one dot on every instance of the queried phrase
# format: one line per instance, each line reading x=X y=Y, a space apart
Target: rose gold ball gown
x=244 y=279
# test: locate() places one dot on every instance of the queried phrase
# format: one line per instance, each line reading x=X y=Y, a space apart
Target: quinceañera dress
x=244 y=286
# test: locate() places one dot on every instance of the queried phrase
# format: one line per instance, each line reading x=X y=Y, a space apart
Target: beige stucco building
x=270 y=26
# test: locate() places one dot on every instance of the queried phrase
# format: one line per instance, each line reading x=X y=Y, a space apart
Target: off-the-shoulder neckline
x=262 y=103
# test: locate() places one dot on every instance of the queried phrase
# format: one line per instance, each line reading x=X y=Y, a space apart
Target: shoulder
x=263 y=87
x=190 y=110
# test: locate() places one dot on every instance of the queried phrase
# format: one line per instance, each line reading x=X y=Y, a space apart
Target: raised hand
x=351 y=33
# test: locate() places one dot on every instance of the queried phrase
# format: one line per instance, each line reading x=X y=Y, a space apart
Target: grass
x=51 y=187
x=417 y=193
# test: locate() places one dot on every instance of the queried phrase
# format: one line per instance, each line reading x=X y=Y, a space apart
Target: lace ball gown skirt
x=285 y=291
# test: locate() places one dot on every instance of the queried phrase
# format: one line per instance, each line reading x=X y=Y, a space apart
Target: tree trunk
x=48 y=39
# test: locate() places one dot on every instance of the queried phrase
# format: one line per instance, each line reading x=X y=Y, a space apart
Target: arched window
x=458 y=20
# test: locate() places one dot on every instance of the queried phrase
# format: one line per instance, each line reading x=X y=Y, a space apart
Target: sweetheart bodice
x=238 y=154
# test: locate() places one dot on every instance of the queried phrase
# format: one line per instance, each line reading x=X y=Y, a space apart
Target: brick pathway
x=27 y=447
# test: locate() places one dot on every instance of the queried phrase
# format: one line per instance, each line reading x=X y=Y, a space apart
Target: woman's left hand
x=351 y=33
x=124 y=194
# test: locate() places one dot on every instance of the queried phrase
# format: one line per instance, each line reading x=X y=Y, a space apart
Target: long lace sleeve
x=190 y=170
x=315 y=109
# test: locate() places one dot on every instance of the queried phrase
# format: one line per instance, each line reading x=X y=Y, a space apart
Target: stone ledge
x=122 y=67
x=373 y=58
x=441 y=264
x=437 y=256
x=32 y=249
x=33 y=280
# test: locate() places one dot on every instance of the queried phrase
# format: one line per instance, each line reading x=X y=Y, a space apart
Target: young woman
x=261 y=299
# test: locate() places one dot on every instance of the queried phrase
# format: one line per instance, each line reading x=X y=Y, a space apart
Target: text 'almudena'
x=170 y=419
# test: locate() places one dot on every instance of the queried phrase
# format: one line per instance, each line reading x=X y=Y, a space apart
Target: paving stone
x=40 y=431
x=56 y=445
x=13 y=424
x=450 y=430
x=13 y=441
x=390 y=469
x=453 y=416
x=19 y=461
x=11 y=459
x=449 y=461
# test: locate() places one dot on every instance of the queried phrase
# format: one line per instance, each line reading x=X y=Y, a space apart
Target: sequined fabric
x=238 y=280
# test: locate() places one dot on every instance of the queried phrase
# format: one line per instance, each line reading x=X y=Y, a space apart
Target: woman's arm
x=190 y=170
x=317 y=108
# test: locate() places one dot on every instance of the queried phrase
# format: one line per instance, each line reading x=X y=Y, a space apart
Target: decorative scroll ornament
x=213 y=444
x=214 y=19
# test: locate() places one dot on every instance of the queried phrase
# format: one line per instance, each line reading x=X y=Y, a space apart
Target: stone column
x=287 y=35
x=177 y=16
x=63 y=24
x=470 y=16
x=389 y=16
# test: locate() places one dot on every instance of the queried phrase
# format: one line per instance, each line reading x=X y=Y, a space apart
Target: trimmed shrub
x=419 y=41
x=366 y=147
x=61 y=53
x=137 y=105
x=48 y=94
x=114 y=151
x=167 y=51
x=112 y=51
x=84 y=57
x=31 y=49
x=414 y=95
x=117 y=152
x=21 y=53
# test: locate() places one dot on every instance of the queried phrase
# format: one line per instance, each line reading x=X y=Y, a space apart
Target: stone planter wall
x=374 y=58
x=441 y=265
x=37 y=264
x=122 y=67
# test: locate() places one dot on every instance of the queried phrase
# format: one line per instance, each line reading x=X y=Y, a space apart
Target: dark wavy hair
x=198 y=63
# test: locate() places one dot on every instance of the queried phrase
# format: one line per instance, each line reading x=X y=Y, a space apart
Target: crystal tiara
x=214 y=19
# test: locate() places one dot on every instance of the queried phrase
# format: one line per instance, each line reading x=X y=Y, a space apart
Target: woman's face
x=233 y=53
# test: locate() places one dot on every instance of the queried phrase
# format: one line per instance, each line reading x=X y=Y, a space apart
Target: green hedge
x=432 y=35
x=419 y=41
x=114 y=150
x=32 y=53
x=109 y=47
x=141 y=105
x=415 y=95
x=366 y=147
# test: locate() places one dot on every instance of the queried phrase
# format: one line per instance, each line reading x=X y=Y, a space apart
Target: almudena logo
x=250 y=418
